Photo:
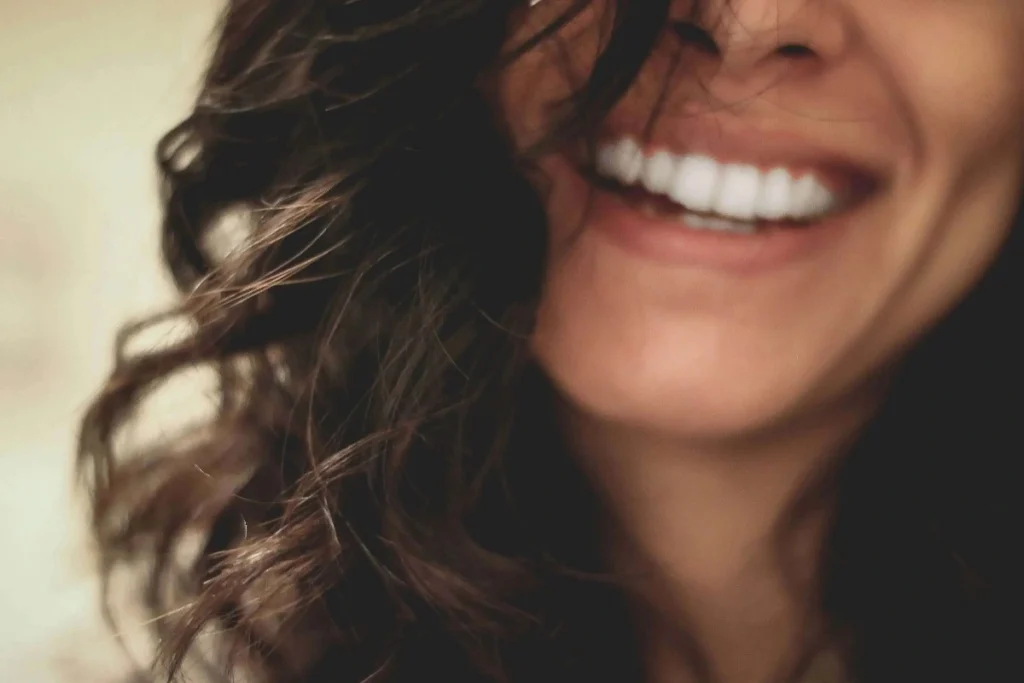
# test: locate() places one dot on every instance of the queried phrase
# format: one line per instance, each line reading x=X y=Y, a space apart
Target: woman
x=585 y=341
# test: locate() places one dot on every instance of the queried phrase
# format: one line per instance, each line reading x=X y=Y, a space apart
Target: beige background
x=86 y=87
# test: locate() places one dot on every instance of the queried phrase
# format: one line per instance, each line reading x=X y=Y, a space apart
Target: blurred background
x=86 y=88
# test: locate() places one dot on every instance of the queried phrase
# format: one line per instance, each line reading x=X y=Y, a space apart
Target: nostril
x=795 y=50
x=691 y=34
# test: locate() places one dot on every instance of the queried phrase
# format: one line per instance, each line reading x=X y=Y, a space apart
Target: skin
x=700 y=399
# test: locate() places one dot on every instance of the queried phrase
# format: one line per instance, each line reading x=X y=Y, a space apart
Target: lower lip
x=673 y=242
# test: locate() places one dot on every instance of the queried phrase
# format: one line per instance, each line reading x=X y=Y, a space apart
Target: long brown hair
x=379 y=493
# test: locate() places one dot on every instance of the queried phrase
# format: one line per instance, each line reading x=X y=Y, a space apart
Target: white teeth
x=737 y=192
x=658 y=172
x=622 y=161
x=696 y=183
x=776 y=189
x=809 y=198
x=701 y=184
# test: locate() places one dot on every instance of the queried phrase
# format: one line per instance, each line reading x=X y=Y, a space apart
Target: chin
x=687 y=389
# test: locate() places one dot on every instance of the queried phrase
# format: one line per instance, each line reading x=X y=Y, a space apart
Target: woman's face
x=880 y=157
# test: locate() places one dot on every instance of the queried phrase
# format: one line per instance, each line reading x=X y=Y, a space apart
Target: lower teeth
x=702 y=222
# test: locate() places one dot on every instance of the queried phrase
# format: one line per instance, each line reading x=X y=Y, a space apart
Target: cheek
x=961 y=75
x=531 y=87
x=955 y=72
x=958 y=72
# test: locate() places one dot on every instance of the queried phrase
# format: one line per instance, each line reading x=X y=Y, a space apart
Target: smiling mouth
x=704 y=193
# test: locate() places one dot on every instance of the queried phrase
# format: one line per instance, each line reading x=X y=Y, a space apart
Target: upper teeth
x=700 y=183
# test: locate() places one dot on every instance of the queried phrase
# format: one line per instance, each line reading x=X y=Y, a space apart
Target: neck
x=709 y=541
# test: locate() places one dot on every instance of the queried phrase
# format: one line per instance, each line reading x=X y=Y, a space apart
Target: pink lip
x=672 y=242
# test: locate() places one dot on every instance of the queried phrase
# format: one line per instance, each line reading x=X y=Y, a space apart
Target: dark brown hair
x=379 y=493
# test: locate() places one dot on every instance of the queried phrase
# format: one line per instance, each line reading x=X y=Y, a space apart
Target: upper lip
x=851 y=168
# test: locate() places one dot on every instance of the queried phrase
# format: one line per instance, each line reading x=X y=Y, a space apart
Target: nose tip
x=743 y=35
